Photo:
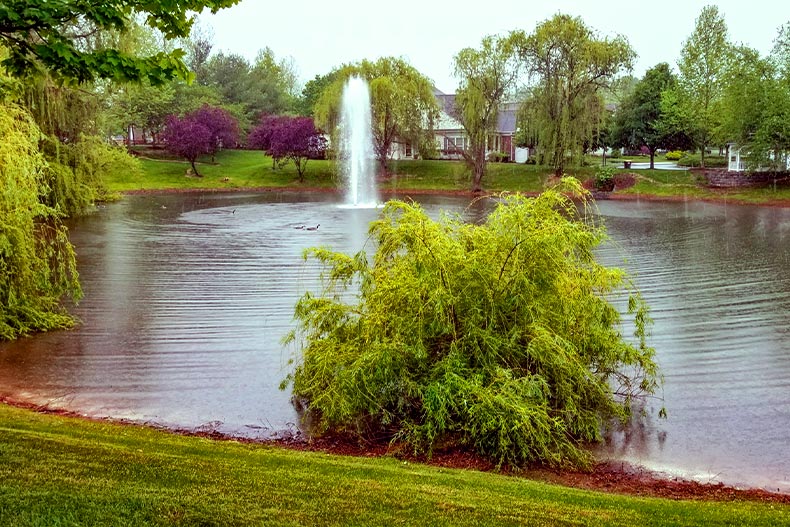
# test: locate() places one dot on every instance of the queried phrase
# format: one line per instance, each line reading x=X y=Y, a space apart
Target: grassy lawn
x=65 y=471
x=234 y=169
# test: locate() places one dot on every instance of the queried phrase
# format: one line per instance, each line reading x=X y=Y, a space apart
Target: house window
x=407 y=150
x=456 y=143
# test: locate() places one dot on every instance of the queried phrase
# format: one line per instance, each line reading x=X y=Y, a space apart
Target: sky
x=319 y=35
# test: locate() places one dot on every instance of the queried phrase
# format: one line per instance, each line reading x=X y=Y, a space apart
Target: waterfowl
x=312 y=228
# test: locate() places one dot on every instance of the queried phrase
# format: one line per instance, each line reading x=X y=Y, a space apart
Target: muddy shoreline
x=613 y=477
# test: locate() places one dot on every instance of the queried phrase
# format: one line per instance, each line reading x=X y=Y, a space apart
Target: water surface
x=188 y=296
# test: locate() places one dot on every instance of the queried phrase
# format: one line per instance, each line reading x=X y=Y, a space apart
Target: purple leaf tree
x=188 y=138
x=224 y=128
x=290 y=138
x=260 y=137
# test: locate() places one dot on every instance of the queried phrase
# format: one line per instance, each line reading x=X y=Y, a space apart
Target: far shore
x=722 y=197
x=252 y=171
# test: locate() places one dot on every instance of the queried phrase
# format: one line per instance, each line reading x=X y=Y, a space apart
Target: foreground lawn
x=65 y=471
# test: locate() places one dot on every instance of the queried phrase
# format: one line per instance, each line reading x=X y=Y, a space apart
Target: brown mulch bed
x=612 y=477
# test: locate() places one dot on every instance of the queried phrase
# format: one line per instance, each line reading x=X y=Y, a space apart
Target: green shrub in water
x=496 y=337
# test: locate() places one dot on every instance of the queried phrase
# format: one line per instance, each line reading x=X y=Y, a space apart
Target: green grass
x=232 y=169
x=453 y=175
x=65 y=471
x=235 y=169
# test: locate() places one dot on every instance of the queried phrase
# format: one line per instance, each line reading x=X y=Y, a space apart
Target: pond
x=188 y=295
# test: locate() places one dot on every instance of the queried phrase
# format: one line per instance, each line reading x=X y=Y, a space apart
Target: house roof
x=506 y=120
x=447 y=103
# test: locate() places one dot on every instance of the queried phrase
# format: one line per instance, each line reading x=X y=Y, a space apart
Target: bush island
x=674 y=155
x=496 y=337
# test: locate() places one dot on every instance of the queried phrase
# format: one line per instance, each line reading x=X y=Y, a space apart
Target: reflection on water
x=187 y=298
x=717 y=279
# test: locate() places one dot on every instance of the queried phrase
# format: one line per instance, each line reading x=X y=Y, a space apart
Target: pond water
x=187 y=298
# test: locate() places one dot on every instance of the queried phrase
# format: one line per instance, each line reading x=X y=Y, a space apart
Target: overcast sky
x=322 y=34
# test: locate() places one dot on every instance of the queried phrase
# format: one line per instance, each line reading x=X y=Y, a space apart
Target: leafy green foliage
x=258 y=88
x=75 y=176
x=45 y=36
x=639 y=120
x=604 y=177
x=570 y=65
x=37 y=265
x=486 y=75
x=756 y=103
x=703 y=61
x=694 y=160
x=497 y=337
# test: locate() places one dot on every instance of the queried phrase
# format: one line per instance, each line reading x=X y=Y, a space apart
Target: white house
x=450 y=138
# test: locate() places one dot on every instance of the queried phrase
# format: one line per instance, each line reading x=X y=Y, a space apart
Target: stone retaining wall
x=721 y=178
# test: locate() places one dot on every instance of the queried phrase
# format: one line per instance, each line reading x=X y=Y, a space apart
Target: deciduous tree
x=261 y=136
x=639 y=120
x=703 y=61
x=37 y=263
x=261 y=88
x=187 y=137
x=486 y=75
x=288 y=138
x=569 y=65
x=223 y=127
x=305 y=104
x=46 y=36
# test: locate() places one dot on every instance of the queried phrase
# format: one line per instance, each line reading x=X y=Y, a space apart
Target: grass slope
x=65 y=471
x=235 y=169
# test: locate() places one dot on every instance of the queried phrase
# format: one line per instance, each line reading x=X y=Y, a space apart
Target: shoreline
x=721 y=199
x=611 y=477
x=608 y=476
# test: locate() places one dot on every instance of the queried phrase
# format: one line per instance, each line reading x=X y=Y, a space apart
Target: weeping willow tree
x=79 y=159
x=37 y=264
x=499 y=337
x=569 y=65
x=485 y=77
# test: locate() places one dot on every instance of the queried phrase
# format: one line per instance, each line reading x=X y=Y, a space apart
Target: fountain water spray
x=356 y=145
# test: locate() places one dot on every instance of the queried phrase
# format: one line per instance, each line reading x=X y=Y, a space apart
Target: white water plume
x=356 y=145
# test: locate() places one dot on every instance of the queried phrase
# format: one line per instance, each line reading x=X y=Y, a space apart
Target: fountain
x=356 y=145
